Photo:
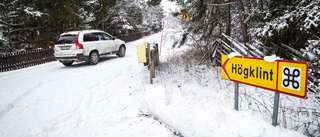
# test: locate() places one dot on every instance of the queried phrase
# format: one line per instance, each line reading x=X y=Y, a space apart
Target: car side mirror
x=113 y=38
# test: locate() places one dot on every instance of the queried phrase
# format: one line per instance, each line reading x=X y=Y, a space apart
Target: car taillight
x=80 y=46
x=54 y=45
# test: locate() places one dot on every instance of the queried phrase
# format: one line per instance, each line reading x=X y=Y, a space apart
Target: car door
x=102 y=48
x=103 y=42
x=91 y=42
x=111 y=41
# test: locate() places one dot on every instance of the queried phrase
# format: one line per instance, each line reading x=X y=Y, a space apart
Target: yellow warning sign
x=288 y=77
x=185 y=16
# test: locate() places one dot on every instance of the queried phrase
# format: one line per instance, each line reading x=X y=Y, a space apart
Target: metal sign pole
x=236 y=96
x=275 y=109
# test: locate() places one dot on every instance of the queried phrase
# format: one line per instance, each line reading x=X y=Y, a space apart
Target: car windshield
x=67 y=39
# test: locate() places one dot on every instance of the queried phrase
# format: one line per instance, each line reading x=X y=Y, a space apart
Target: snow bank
x=192 y=116
x=233 y=54
x=272 y=58
x=139 y=42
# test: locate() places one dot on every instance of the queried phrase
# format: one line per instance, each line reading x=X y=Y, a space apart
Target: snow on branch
x=306 y=11
x=30 y=11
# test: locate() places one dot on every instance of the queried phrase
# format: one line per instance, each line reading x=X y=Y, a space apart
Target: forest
x=34 y=24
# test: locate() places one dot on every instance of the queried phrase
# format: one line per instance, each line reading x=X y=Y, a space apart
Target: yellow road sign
x=185 y=16
x=287 y=77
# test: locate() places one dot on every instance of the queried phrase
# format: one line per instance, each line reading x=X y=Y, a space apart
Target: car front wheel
x=94 y=58
x=122 y=51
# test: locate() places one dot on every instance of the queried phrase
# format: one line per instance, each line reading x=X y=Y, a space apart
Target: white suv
x=87 y=46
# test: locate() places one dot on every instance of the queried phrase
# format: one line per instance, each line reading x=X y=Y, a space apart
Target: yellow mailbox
x=141 y=49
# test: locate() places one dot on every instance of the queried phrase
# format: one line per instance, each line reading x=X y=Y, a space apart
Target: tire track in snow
x=77 y=117
x=12 y=104
x=59 y=121
x=18 y=100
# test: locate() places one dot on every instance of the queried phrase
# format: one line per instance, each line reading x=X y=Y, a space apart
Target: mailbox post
x=149 y=55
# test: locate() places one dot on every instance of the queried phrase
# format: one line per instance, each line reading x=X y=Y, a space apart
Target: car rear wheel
x=122 y=51
x=94 y=58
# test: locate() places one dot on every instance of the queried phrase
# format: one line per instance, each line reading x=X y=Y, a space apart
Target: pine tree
x=8 y=24
x=153 y=14
x=153 y=2
x=292 y=23
x=205 y=22
x=126 y=20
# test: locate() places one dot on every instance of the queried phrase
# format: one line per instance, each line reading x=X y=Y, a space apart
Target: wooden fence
x=131 y=37
x=17 y=60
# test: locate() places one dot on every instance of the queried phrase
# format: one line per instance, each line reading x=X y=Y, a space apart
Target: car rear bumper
x=76 y=58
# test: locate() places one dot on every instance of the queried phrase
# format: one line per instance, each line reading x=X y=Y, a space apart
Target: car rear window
x=67 y=39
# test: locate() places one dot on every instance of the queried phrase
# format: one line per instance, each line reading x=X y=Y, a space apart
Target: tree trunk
x=228 y=21
x=10 y=44
x=243 y=25
x=249 y=6
x=261 y=5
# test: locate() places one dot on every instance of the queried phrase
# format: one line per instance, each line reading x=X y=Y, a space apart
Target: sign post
x=236 y=96
x=281 y=76
x=275 y=108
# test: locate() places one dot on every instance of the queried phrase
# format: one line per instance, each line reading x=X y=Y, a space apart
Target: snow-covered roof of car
x=76 y=32
x=70 y=33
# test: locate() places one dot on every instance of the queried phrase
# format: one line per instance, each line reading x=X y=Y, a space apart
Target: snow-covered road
x=81 y=100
